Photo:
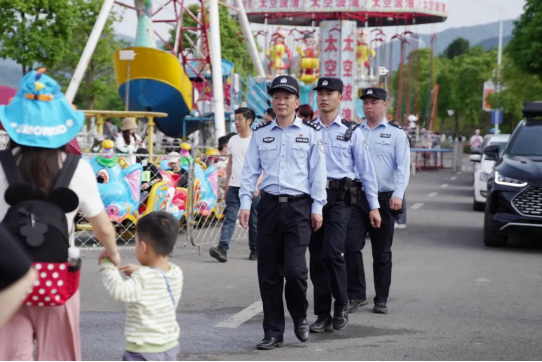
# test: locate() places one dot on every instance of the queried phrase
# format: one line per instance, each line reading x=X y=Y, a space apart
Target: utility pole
x=498 y=116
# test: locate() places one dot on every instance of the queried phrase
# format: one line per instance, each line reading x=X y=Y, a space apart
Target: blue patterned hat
x=39 y=115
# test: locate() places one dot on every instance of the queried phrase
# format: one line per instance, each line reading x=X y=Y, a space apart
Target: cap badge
x=284 y=80
x=370 y=91
x=325 y=82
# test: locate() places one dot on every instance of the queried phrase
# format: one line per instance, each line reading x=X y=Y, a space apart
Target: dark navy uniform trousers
x=284 y=230
x=327 y=263
x=381 y=241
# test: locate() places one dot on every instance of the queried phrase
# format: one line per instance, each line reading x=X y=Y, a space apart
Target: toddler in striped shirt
x=151 y=293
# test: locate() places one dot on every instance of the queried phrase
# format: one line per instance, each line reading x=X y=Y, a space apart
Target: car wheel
x=491 y=236
x=478 y=206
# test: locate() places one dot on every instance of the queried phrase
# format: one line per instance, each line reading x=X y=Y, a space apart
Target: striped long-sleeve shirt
x=151 y=324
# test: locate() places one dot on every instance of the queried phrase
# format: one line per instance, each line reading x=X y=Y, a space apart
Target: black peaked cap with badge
x=285 y=83
x=378 y=93
x=329 y=83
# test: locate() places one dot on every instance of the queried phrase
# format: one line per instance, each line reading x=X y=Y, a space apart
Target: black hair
x=222 y=141
x=39 y=167
x=140 y=152
x=247 y=113
x=159 y=229
x=271 y=112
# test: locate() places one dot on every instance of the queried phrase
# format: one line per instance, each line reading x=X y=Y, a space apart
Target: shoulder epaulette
x=265 y=124
x=348 y=123
x=312 y=125
x=395 y=125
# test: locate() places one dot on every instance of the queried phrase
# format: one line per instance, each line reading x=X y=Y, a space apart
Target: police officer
x=290 y=152
x=391 y=157
x=346 y=151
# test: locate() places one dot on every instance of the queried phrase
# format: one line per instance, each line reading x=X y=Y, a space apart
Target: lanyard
x=168 y=287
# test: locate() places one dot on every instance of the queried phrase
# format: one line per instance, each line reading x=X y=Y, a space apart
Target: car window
x=526 y=141
x=501 y=148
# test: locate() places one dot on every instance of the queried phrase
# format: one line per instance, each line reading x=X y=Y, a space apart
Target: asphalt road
x=451 y=297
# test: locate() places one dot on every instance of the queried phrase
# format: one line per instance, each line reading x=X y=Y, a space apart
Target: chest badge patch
x=302 y=139
x=342 y=138
x=385 y=135
x=268 y=139
x=320 y=144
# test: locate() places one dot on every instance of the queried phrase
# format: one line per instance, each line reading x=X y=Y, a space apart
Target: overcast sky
x=460 y=13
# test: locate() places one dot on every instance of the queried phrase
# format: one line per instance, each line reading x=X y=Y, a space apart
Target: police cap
x=329 y=83
x=285 y=83
x=374 y=92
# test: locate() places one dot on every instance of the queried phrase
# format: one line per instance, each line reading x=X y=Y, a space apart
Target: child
x=152 y=292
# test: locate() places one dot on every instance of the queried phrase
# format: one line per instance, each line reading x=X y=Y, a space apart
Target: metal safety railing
x=192 y=190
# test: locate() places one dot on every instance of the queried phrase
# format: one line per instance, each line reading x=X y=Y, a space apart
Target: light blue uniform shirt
x=391 y=156
x=344 y=157
x=293 y=163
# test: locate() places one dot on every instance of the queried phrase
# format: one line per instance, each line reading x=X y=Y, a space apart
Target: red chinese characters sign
x=338 y=59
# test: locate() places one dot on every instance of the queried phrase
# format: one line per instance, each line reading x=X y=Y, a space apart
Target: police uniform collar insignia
x=312 y=125
x=265 y=124
x=395 y=125
x=268 y=139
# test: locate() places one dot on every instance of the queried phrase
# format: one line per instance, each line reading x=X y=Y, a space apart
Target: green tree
x=36 y=32
x=518 y=87
x=98 y=88
x=456 y=48
x=233 y=45
x=525 y=47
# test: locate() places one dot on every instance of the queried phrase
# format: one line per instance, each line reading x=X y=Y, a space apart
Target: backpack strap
x=10 y=167
x=66 y=173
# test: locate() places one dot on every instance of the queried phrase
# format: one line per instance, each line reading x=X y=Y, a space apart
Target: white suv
x=484 y=169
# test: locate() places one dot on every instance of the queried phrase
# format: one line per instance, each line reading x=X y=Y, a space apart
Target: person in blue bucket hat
x=41 y=123
x=39 y=115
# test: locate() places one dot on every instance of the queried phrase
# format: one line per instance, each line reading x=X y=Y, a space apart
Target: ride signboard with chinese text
x=436 y=8
x=338 y=59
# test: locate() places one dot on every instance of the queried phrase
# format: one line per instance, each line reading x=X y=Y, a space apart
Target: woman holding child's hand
x=40 y=123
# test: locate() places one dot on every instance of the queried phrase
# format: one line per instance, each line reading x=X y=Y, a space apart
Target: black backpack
x=36 y=220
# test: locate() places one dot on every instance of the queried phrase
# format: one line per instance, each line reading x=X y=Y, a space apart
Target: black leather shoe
x=269 y=343
x=253 y=255
x=380 y=308
x=353 y=305
x=323 y=323
x=219 y=254
x=301 y=330
x=340 y=318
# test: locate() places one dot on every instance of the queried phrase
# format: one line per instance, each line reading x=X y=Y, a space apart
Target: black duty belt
x=285 y=198
x=339 y=184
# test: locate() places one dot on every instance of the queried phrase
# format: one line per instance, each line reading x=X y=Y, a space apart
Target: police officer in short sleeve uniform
x=347 y=158
x=390 y=153
x=291 y=154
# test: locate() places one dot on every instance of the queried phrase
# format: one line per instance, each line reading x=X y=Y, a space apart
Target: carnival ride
x=348 y=48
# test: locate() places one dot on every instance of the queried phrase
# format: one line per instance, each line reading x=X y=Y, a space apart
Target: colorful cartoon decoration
x=119 y=188
x=186 y=156
x=364 y=54
x=207 y=189
x=308 y=59
x=279 y=55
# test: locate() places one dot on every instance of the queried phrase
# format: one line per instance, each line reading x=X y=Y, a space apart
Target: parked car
x=514 y=188
x=483 y=166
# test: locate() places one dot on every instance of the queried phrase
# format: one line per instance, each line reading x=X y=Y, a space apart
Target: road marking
x=453 y=178
x=237 y=319
x=416 y=206
x=432 y=194
x=482 y=280
x=444 y=186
